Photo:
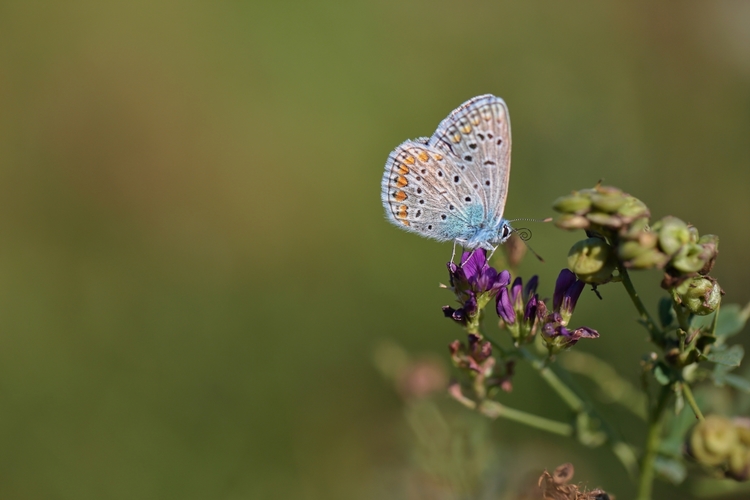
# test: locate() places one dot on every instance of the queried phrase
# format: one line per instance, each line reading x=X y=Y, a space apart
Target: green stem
x=582 y=407
x=688 y=393
x=494 y=409
x=566 y=393
x=653 y=440
x=645 y=316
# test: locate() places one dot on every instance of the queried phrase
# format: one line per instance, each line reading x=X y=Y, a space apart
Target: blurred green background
x=195 y=267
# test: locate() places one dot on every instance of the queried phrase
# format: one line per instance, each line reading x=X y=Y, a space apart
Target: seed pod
x=699 y=295
x=592 y=260
x=673 y=234
x=575 y=203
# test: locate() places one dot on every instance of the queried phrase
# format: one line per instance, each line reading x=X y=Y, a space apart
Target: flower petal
x=505 y=307
x=564 y=280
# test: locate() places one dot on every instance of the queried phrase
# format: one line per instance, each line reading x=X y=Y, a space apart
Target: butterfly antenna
x=548 y=219
x=524 y=234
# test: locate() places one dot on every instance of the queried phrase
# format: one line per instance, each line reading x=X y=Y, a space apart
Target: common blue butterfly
x=453 y=185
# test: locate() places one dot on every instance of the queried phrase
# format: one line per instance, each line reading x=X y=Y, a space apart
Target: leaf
x=666 y=313
x=739 y=383
x=670 y=469
x=729 y=357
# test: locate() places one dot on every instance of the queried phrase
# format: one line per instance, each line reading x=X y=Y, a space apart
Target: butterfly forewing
x=477 y=133
x=425 y=191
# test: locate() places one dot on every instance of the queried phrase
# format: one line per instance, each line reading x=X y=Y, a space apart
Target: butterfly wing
x=425 y=190
x=477 y=133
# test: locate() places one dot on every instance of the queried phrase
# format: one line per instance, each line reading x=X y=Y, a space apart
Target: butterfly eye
x=506 y=231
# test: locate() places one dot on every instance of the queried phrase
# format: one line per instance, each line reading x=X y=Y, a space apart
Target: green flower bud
x=650 y=259
x=699 y=295
x=608 y=199
x=570 y=221
x=604 y=220
x=575 y=203
x=635 y=229
x=630 y=249
x=592 y=260
x=673 y=234
x=712 y=440
x=689 y=259
x=632 y=209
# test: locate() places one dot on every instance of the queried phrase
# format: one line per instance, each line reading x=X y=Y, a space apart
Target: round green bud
x=571 y=221
x=572 y=204
x=712 y=440
x=689 y=259
x=632 y=209
x=592 y=260
x=699 y=295
x=630 y=250
x=650 y=259
x=604 y=220
x=635 y=229
x=608 y=200
x=673 y=234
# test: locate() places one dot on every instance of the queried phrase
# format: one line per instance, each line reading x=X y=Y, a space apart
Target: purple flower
x=505 y=307
x=567 y=290
x=475 y=283
x=554 y=323
x=517 y=308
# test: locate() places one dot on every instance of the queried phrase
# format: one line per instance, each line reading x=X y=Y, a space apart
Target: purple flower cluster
x=475 y=283
x=554 y=323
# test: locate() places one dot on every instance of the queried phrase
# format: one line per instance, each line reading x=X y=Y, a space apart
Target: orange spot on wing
x=466 y=129
x=401 y=181
x=402 y=212
x=438 y=157
x=423 y=156
x=403 y=169
x=409 y=159
x=457 y=138
x=406 y=223
x=399 y=195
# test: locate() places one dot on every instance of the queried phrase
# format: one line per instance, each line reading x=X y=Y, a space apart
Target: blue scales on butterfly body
x=453 y=185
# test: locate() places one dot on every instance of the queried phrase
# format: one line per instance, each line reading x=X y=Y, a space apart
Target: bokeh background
x=195 y=268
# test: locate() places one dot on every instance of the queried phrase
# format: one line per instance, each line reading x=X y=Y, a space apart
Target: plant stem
x=494 y=409
x=645 y=316
x=622 y=450
x=691 y=401
x=653 y=439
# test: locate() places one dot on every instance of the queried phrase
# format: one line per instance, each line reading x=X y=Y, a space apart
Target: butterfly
x=453 y=185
